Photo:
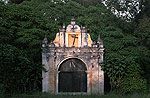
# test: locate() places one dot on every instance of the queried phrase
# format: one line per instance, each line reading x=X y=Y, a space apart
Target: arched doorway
x=72 y=76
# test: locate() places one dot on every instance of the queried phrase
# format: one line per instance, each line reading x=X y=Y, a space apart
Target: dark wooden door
x=65 y=82
x=72 y=76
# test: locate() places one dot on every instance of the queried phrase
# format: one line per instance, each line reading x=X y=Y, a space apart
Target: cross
x=74 y=36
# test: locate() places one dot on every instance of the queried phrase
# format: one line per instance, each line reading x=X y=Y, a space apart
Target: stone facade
x=73 y=43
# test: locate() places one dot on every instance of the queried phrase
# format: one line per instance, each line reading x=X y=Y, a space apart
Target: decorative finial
x=73 y=21
x=64 y=26
x=83 y=30
x=45 y=42
x=52 y=44
x=99 y=41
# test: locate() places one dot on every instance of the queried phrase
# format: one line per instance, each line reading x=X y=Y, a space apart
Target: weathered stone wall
x=89 y=55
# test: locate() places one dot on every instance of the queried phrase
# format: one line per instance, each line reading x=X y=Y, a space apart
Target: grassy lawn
x=41 y=95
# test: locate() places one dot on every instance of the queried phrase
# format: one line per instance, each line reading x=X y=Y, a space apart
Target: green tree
x=126 y=9
x=88 y=3
x=143 y=35
x=120 y=55
x=21 y=30
x=144 y=61
x=143 y=31
x=17 y=1
x=18 y=72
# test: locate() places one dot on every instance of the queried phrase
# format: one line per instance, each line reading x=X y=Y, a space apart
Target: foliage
x=143 y=31
x=133 y=81
x=88 y=3
x=2 y=91
x=126 y=9
x=144 y=9
x=19 y=26
x=145 y=66
x=20 y=70
x=143 y=35
x=119 y=59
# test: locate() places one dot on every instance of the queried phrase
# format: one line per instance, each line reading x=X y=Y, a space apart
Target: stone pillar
x=95 y=82
x=101 y=81
x=45 y=75
x=89 y=78
x=97 y=77
x=51 y=75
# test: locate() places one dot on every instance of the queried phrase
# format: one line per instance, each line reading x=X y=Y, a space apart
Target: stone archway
x=72 y=76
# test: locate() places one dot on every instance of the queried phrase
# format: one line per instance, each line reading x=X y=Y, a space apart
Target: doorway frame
x=57 y=77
